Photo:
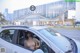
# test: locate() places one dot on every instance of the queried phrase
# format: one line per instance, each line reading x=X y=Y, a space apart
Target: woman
x=31 y=43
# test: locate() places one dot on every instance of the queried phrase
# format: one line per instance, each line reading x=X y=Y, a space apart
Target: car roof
x=38 y=27
x=22 y=26
x=14 y=26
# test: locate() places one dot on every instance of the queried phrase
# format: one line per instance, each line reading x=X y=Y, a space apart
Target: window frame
x=39 y=38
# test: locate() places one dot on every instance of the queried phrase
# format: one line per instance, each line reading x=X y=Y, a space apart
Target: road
x=72 y=33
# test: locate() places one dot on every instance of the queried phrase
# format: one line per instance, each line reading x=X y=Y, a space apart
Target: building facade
x=57 y=12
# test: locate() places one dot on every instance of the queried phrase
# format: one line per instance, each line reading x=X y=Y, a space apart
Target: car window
x=42 y=45
x=7 y=35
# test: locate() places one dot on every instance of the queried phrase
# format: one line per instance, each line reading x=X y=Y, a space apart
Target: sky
x=12 y=5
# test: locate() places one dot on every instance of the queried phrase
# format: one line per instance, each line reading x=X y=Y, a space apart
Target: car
x=12 y=40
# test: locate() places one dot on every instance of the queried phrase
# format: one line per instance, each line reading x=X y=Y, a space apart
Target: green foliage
x=2 y=20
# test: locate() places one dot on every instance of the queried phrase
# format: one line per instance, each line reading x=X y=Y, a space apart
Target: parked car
x=12 y=40
x=77 y=23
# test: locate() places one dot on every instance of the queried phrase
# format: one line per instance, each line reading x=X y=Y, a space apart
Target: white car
x=12 y=40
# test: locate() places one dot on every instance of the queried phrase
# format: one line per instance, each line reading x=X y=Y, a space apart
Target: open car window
x=22 y=35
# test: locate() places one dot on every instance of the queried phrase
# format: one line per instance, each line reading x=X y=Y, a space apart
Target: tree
x=2 y=20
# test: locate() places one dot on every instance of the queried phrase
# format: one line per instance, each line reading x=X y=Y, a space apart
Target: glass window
x=7 y=35
x=50 y=34
x=48 y=31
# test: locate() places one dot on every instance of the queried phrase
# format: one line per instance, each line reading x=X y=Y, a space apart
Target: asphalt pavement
x=72 y=33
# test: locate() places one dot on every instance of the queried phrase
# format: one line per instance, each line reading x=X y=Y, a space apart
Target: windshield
x=56 y=38
x=51 y=34
x=48 y=31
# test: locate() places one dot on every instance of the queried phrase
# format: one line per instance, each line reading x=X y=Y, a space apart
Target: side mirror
x=38 y=51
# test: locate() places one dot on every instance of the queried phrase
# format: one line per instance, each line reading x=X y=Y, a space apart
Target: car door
x=7 y=44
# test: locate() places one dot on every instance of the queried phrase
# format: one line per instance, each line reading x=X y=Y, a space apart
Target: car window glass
x=7 y=35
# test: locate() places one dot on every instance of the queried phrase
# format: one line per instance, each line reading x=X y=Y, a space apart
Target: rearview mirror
x=38 y=51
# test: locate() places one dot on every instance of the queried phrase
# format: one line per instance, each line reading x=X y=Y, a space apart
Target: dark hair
x=29 y=34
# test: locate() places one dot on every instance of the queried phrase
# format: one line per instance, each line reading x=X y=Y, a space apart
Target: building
x=8 y=16
x=50 y=10
x=55 y=13
x=33 y=20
